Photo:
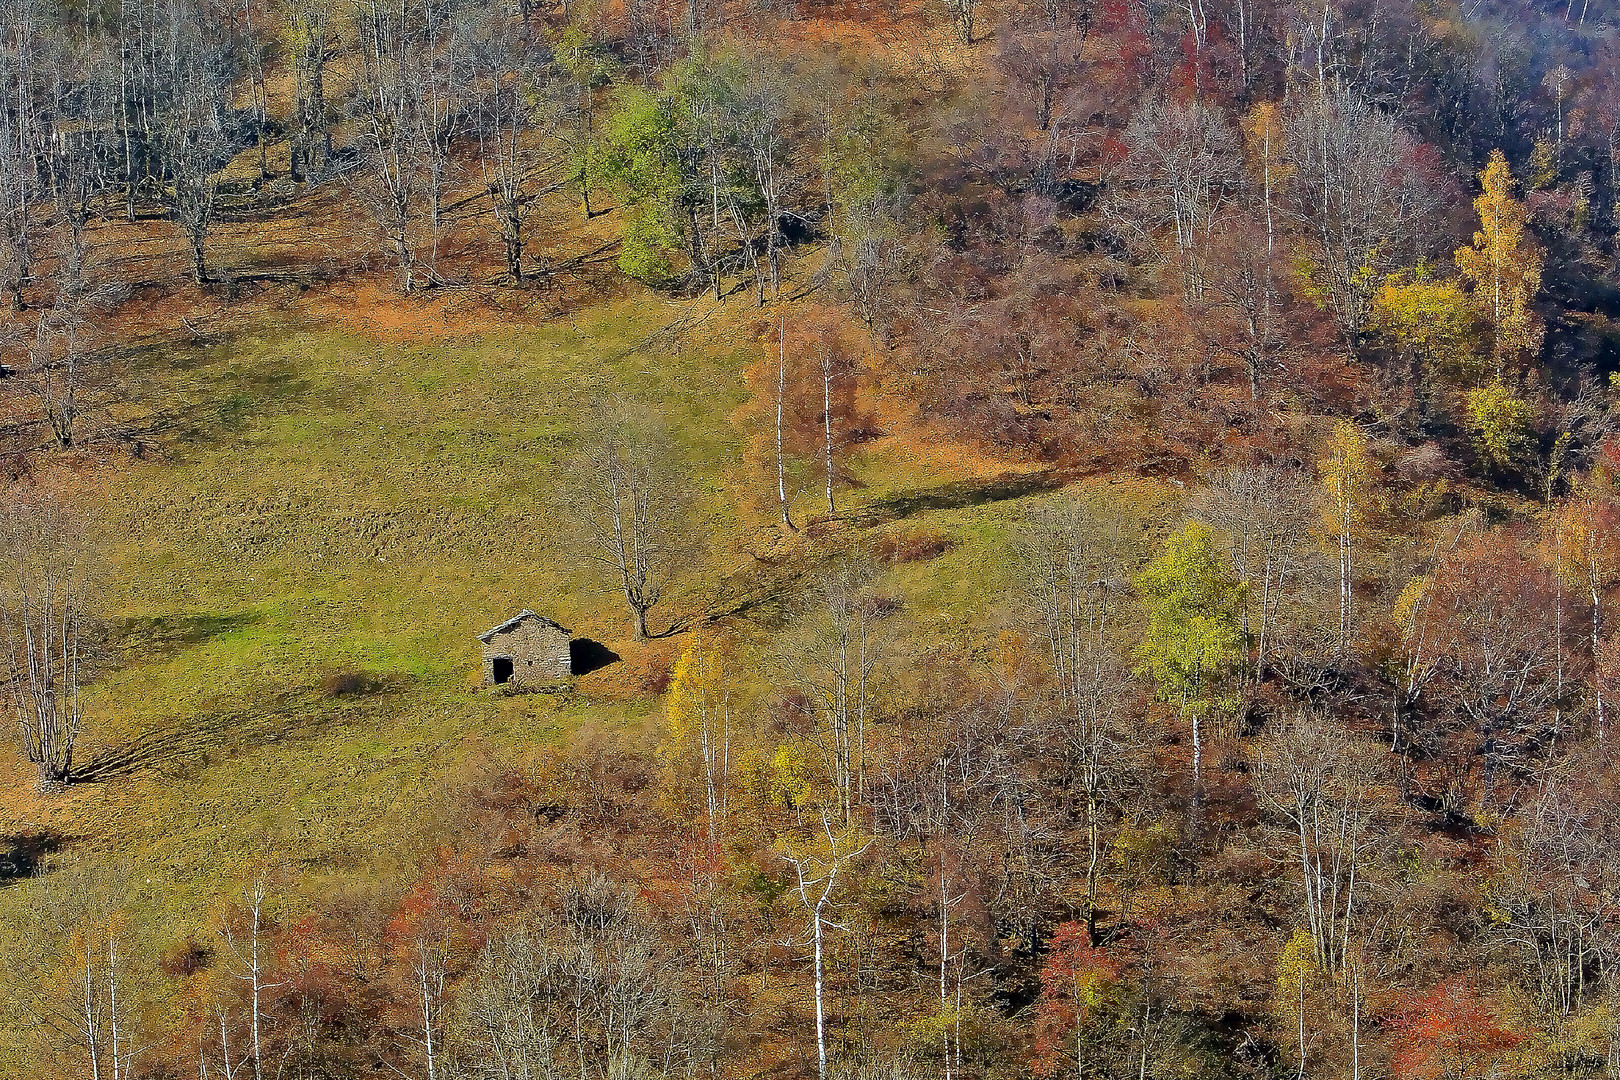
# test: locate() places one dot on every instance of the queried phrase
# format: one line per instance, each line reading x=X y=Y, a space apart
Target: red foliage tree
x=1491 y=639
x=1074 y=984
x=1451 y=1032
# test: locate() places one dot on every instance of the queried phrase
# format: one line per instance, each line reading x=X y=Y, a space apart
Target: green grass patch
x=293 y=595
x=335 y=503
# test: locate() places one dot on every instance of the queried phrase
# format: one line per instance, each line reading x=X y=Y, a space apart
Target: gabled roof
x=514 y=620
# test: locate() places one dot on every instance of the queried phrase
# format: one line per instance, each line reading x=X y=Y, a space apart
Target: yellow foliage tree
x=1504 y=266
x=1434 y=325
x=1582 y=542
x=1501 y=423
x=700 y=725
x=1346 y=473
x=1296 y=963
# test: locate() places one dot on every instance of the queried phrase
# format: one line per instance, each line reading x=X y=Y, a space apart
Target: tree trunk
x=514 y=251
x=826 y=418
x=821 y=1026
x=781 y=467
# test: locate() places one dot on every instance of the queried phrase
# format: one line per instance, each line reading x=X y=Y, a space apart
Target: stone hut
x=528 y=652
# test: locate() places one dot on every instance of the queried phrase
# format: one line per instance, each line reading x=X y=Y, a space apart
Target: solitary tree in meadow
x=628 y=507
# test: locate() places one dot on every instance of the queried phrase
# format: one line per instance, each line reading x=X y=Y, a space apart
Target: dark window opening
x=502 y=669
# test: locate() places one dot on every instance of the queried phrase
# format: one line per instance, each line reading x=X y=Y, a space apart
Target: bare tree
x=1074 y=559
x=386 y=107
x=1076 y=563
x=763 y=131
x=245 y=938
x=816 y=877
x=76 y=976
x=252 y=38
x=781 y=395
x=1245 y=292
x=58 y=367
x=629 y=507
x=963 y=14
x=870 y=253
x=1318 y=784
x=1559 y=893
x=942 y=799
x=429 y=963
x=519 y=119
x=837 y=370
x=580 y=988
x=835 y=663
x=45 y=560
x=21 y=48
x=1483 y=639
x=1183 y=168
x=309 y=28
x=193 y=136
x=1364 y=204
x=193 y=132
x=505 y=1031
x=439 y=110
x=1266 y=511
x=82 y=111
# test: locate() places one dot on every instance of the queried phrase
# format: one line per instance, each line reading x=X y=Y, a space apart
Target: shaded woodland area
x=1305 y=770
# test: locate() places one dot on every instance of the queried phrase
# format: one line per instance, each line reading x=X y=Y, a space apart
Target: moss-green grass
x=332 y=501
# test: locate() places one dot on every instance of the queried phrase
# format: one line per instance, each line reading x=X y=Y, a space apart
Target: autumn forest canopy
x=1090 y=533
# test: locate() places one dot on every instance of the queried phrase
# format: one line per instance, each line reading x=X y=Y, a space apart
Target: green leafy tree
x=1501 y=424
x=679 y=158
x=1192 y=637
x=641 y=157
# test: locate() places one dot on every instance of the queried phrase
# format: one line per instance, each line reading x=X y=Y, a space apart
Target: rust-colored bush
x=350 y=682
x=919 y=546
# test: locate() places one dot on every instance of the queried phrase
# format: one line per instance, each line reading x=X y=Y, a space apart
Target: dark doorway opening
x=502 y=669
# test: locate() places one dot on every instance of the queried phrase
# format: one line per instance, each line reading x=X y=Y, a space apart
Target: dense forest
x=1103 y=518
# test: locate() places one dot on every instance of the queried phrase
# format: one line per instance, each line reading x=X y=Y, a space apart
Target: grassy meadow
x=294 y=586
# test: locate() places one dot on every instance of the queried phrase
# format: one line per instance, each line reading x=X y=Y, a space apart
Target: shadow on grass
x=164 y=635
x=21 y=854
x=273 y=385
x=586 y=656
x=183 y=747
x=957 y=496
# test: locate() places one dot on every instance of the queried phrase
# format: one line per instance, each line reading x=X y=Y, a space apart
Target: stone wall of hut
x=540 y=655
